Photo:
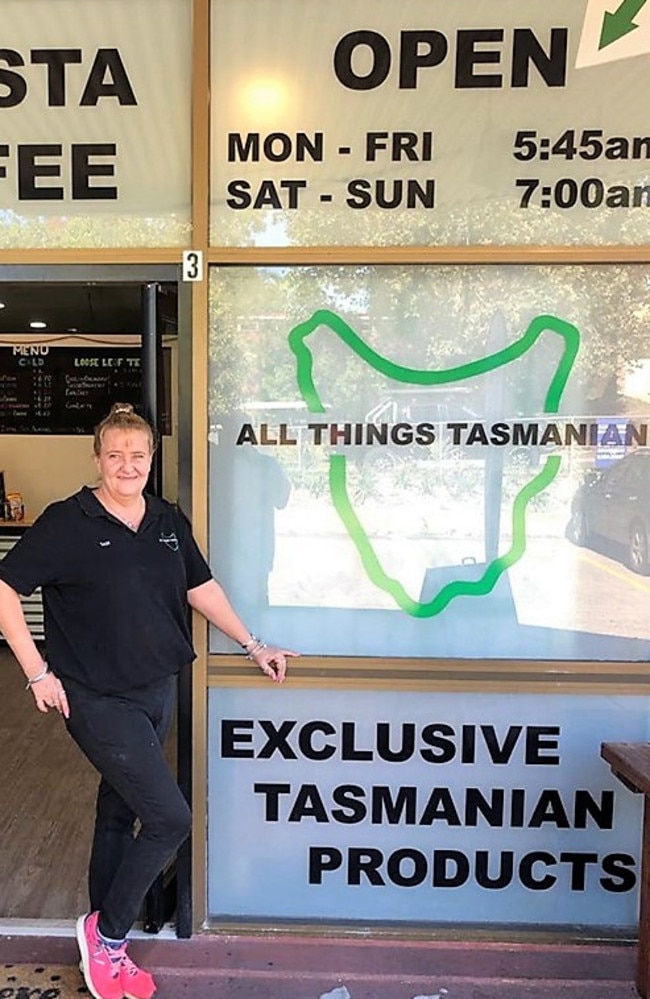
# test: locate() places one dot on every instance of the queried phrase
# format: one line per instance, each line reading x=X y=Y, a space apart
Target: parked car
x=613 y=505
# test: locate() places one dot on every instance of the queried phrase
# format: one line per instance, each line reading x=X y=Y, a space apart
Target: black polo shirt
x=115 y=601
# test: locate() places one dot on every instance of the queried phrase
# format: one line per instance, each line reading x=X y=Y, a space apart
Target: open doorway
x=72 y=342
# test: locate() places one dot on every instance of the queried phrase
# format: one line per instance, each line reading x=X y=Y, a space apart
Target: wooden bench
x=630 y=763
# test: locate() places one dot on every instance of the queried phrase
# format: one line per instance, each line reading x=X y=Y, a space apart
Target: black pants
x=122 y=736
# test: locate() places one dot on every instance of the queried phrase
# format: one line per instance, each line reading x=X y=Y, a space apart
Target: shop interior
x=47 y=789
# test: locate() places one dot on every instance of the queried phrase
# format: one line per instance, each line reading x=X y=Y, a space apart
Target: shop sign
x=355 y=805
x=429 y=122
x=447 y=462
x=94 y=122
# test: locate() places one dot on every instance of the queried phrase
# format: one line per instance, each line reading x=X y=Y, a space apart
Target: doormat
x=34 y=981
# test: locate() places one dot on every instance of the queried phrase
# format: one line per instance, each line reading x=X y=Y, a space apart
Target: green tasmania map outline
x=414 y=376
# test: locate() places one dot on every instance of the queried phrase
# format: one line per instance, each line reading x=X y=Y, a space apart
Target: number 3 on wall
x=192 y=265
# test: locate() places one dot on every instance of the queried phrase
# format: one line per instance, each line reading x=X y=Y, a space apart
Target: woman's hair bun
x=123 y=417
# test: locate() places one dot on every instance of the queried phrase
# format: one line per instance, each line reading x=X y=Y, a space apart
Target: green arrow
x=620 y=23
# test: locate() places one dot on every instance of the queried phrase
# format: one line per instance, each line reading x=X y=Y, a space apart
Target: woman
x=118 y=568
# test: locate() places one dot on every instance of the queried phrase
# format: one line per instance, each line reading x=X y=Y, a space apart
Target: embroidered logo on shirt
x=170 y=540
x=104 y=544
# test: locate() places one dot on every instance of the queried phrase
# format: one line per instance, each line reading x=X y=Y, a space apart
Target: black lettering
x=395 y=873
x=455 y=431
x=343 y=60
x=440 y=738
x=506 y=869
x=526 y=49
x=293 y=187
x=401 y=753
x=366 y=862
x=277 y=740
x=412 y=57
x=537 y=746
x=232 y=734
x=499 y=434
x=549 y=808
x=401 y=433
x=477 y=434
x=425 y=433
x=351 y=808
x=305 y=740
x=517 y=803
x=323 y=858
x=117 y=84
x=349 y=750
x=359 y=196
x=468 y=744
x=393 y=810
x=240 y=194
x=29 y=170
x=586 y=805
x=621 y=879
x=271 y=794
x=240 y=149
x=501 y=754
x=477 y=804
x=578 y=862
x=14 y=82
x=308 y=805
x=525 y=433
x=467 y=57
x=278 y=147
x=56 y=60
x=526 y=871
x=246 y=435
x=442 y=877
x=83 y=170
x=377 y=434
x=267 y=195
x=440 y=806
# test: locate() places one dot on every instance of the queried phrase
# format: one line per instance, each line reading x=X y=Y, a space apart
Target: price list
x=63 y=390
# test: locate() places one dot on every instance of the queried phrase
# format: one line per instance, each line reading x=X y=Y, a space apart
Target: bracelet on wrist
x=253 y=640
x=35 y=679
x=256 y=649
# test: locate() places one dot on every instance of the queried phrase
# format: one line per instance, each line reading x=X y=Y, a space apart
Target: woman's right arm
x=48 y=690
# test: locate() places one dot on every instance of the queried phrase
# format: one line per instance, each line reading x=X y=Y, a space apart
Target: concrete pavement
x=288 y=966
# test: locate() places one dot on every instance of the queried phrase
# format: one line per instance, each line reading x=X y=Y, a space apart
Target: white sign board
x=429 y=123
x=436 y=808
x=95 y=122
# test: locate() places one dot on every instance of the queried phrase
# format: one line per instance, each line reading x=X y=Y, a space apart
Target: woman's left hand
x=273 y=662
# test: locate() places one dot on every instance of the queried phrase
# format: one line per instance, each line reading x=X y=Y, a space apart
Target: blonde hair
x=123 y=417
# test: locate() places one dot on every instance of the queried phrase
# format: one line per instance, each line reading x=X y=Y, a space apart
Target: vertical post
x=153 y=910
x=150 y=366
x=643 y=953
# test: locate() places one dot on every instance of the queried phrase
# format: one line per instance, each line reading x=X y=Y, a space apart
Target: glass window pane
x=404 y=461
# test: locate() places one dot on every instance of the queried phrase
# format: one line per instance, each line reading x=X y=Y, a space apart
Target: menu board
x=67 y=390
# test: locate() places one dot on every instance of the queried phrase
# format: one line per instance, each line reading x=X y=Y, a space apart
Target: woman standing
x=118 y=568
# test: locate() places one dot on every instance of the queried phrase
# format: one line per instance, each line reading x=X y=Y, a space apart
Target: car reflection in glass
x=611 y=511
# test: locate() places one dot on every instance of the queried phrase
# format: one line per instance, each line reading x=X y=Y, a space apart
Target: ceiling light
x=36 y=324
x=2 y=305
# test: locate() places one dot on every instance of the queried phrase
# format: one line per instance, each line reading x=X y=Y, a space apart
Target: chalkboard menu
x=67 y=390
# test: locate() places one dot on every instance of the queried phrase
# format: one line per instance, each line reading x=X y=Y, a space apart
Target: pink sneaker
x=136 y=983
x=100 y=965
